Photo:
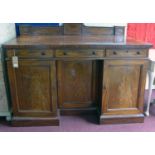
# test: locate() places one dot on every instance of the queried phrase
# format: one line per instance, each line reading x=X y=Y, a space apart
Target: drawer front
x=30 y=53
x=126 y=53
x=80 y=53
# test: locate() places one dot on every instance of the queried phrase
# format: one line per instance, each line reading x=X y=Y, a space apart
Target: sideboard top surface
x=69 y=41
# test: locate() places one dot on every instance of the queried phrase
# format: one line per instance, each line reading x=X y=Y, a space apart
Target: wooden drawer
x=126 y=53
x=80 y=53
x=25 y=53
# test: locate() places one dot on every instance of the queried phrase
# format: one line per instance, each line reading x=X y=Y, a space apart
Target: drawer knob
x=43 y=53
x=138 y=52
x=65 y=53
x=114 y=52
x=94 y=53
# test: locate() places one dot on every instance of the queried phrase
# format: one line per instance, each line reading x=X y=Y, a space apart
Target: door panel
x=34 y=82
x=76 y=83
x=123 y=86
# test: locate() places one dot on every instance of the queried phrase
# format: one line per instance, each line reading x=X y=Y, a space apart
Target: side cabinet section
x=33 y=91
x=123 y=91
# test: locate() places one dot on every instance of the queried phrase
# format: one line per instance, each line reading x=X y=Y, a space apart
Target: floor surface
x=87 y=124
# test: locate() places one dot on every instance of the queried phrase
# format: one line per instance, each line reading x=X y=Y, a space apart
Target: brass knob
x=43 y=53
x=114 y=52
x=65 y=53
x=138 y=52
x=94 y=53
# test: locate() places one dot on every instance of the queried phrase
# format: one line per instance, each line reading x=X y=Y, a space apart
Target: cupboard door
x=123 y=86
x=33 y=88
x=76 y=83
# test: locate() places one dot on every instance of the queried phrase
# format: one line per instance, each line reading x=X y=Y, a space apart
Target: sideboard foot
x=121 y=119
x=33 y=121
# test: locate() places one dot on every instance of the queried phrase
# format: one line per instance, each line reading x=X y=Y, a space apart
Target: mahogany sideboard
x=75 y=69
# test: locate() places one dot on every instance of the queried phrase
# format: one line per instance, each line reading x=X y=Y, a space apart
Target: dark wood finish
x=80 y=53
x=35 y=121
x=83 y=70
x=111 y=31
x=33 y=30
x=70 y=29
x=78 y=111
x=98 y=30
x=30 y=54
x=126 y=53
x=121 y=119
x=73 y=29
x=79 y=88
x=123 y=87
x=33 y=89
x=75 y=42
